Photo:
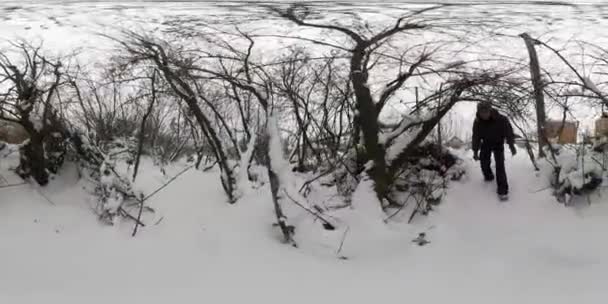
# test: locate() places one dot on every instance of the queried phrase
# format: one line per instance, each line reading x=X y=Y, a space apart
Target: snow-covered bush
x=426 y=177
x=112 y=188
x=31 y=83
x=346 y=177
x=108 y=126
x=576 y=170
x=43 y=154
x=122 y=148
x=169 y=143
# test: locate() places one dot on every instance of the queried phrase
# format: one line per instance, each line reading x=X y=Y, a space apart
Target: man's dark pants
x=485 y=156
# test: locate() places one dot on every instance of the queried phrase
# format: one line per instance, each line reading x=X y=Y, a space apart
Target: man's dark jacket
x=492 y=133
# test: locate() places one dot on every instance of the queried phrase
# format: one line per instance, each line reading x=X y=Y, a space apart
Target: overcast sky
x=351 y=1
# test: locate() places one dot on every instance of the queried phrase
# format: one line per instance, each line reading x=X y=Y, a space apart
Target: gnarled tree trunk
x=541 y=116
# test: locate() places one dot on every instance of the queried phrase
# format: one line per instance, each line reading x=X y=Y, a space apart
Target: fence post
x=439 y=139
x=417 y=101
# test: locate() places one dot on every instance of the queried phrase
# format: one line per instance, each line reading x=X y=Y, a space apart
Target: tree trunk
x=187 y=94
x=538 y=93
x=439 y=135
x=368 y=124
x=275 y=185
x=528 y=146
x=426 y=128
x=142 y=133
x=32 y=162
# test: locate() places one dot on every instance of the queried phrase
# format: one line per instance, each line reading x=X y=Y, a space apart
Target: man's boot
x=501 y=174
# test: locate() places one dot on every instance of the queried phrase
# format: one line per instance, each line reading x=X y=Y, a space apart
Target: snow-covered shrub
x=123 y=148
x=170 y=143
x=55 y=149
x=113 y=190
x=345 y=177
x=109 y=198
x=43 y=154
x=426 y=177
x=576 y=170
x=108 y=126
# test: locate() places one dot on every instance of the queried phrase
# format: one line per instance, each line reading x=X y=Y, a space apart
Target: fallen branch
x=167 y=183
x=141 y=209
x=398 y=210
x=342 y=244
x=209 y=167
x=124 y=213
x=418 y=204
x=542 y=189
x=326 y=224
x=12 y=185
x=310 y=181
x=142 y=201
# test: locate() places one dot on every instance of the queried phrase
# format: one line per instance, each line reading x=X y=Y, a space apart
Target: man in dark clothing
x=490 y=131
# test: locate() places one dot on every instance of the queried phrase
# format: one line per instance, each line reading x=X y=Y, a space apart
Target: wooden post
x=538 y=92
x=583 y=162
x=439 y=139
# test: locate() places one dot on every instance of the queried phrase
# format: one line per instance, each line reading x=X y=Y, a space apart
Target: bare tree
x=31 y=100
x=175 y=72
x=363 y=54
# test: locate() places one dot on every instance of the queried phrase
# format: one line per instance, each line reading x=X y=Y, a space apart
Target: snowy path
x=529 y=250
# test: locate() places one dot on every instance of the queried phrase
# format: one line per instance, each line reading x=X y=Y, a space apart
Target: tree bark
x=275 y=185
x=439 y=135
x=426 y=128
x=32 y=162
x=142 y=128
x=368 y=124
x=538 y=92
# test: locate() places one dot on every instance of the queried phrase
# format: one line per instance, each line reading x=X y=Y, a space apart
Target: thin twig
x=400 y=208
x=127 y=214
x=141 y=209
x=308 y=182
x=418 y=203
x=541 y=189
x=209 y=167
x=159 y=220
x=343 y=239
x=315 y=214
x=12 y=185
x=44 y=196
x=167 y=183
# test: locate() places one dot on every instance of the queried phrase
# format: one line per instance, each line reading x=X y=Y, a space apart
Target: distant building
x=601 y=126
x=568 y=133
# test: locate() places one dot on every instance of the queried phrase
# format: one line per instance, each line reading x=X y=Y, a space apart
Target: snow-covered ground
x=197 y=248
x=528 y=250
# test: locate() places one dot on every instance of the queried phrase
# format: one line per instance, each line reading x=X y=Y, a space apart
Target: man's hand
x=513 y=150
x=475 y=155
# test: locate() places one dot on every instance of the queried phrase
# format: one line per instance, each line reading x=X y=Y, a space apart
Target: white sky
x=65 y=25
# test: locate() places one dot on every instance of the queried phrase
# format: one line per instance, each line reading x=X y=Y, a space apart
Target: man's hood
x=493 y=114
